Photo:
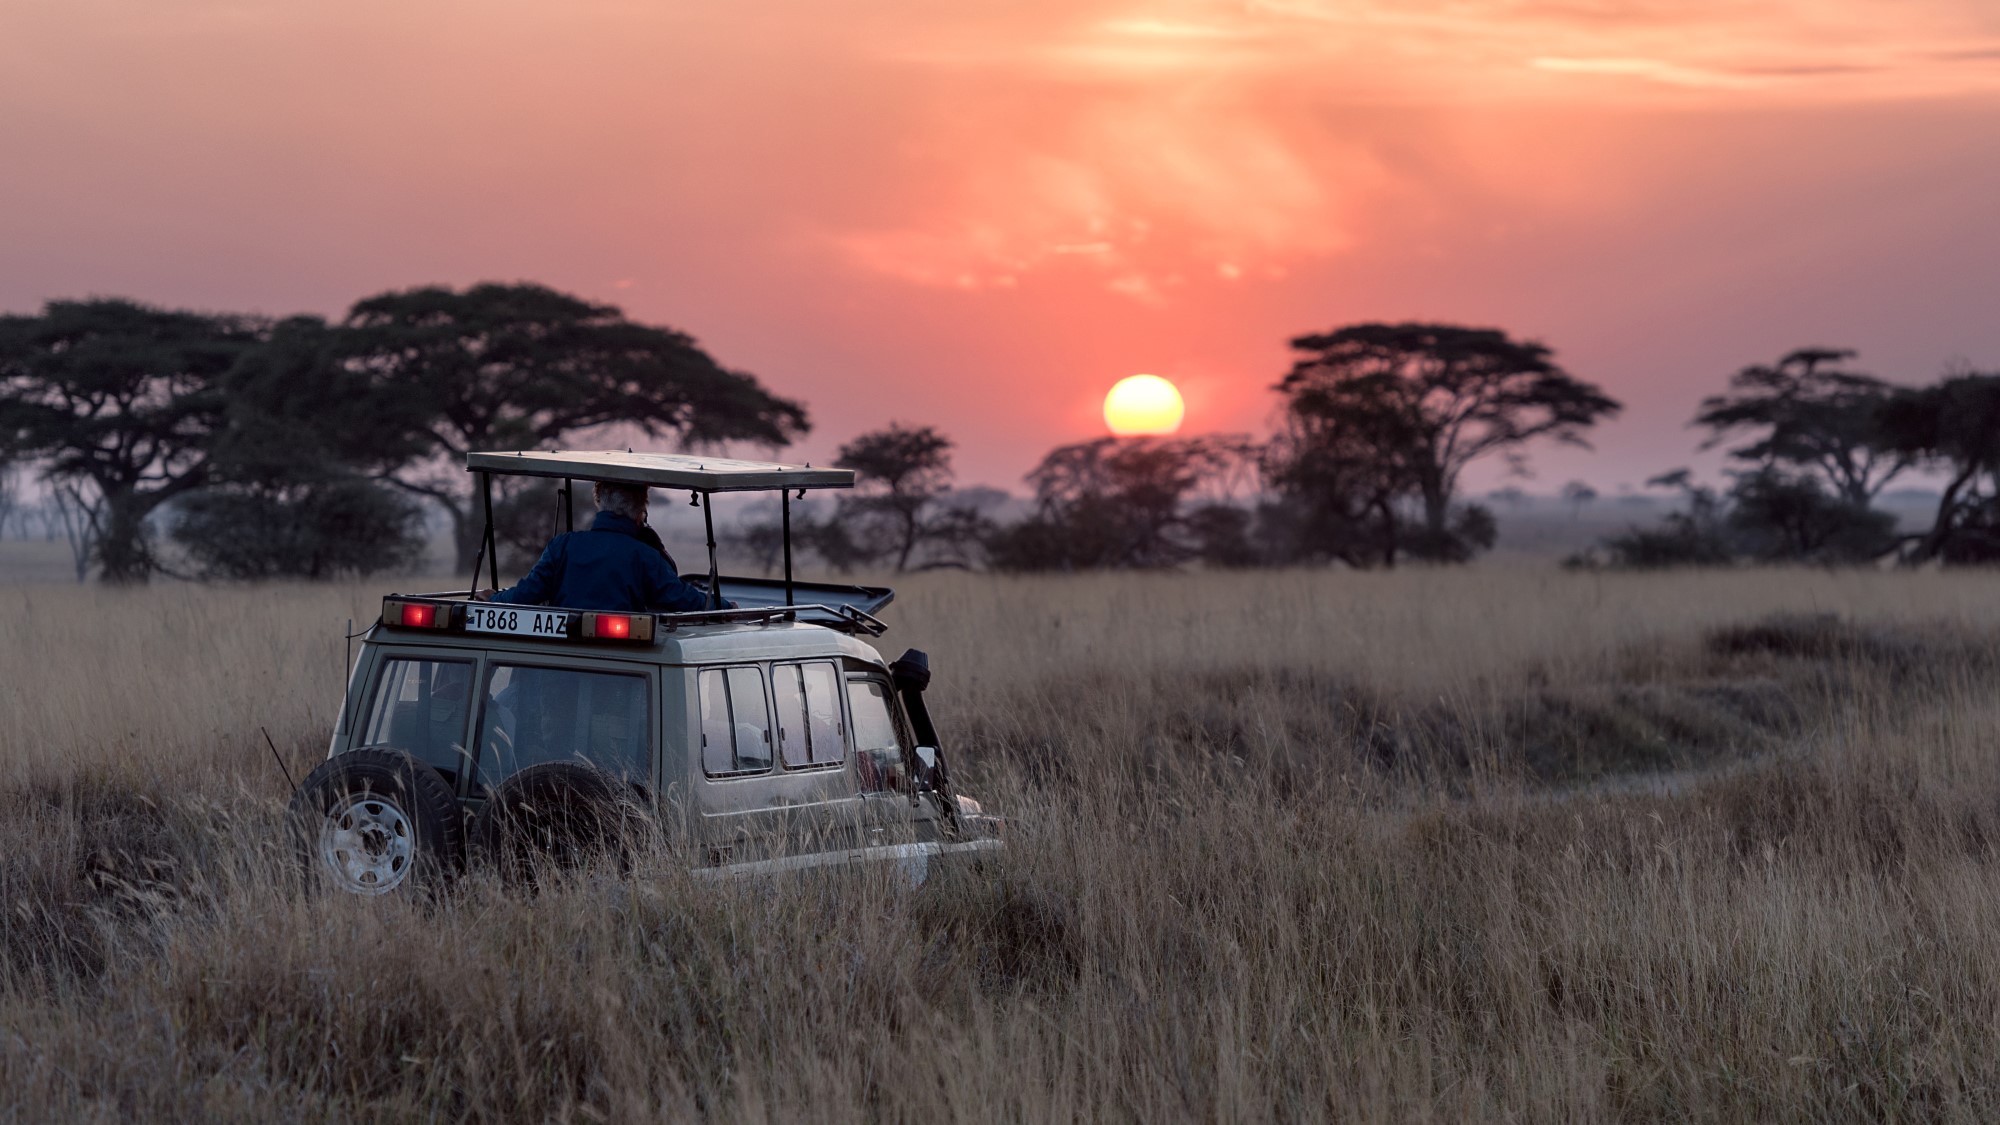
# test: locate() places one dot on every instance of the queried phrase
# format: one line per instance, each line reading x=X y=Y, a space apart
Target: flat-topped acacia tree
x=1427 y=400
x=1809 y=414
x=524 y=367
x=117 y=401
x=902 y=471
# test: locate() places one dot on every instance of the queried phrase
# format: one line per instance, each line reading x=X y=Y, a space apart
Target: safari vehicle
x=766 y=737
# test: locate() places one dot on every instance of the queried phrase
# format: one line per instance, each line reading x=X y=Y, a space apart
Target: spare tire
x=372 y=821
x=565 y=814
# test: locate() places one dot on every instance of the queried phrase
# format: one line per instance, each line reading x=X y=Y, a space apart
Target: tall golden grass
x=1434 y=845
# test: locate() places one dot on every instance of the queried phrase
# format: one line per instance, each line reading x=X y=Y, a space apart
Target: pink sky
x=981 y=215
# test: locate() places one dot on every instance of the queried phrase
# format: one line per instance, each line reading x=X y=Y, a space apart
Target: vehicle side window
x=718 y=744
x=420 y=707
x=557 y=714
x=808 y=709
x=823 y=713
x=878 y=755
x=735 y=722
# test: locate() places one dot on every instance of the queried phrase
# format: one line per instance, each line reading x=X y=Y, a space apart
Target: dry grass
x=1421 y=846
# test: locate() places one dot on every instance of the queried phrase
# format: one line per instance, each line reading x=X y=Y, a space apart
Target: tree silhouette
x=1790 y=517
x=1696 y=535
x=1340 y=478
x=1378 y=414
x=1431 y=399
x=290 y=491
x=900 y=472
x=1117 y=502
x=1577 y=494
x=1955 y=426
x=118 y=401
x=1806 y=414
x=306 y=529
x=524 y=366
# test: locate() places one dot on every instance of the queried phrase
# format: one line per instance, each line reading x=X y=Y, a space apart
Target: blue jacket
x=607 y=568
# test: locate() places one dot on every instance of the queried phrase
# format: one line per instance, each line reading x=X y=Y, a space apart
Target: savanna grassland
x=1479 y=844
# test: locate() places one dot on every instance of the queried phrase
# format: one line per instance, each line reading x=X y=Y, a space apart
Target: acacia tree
x=900 y=472
x=1954 y=426
x=291 y=489
x=1807 y=414
x=1339 y=477
x=523 y=366
x=117 y=401
x=1578 y=495
x=1425 y=401
x=1117 y=502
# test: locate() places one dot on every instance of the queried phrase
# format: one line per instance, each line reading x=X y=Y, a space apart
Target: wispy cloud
x=1202 y=117
x=1651 y=69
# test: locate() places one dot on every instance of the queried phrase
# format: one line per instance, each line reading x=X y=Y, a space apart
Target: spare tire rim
x=368 y=844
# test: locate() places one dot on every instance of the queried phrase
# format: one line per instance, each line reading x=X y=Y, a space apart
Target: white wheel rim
x=368 y=844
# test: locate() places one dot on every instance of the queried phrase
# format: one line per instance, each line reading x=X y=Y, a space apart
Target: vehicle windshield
x=560 y=714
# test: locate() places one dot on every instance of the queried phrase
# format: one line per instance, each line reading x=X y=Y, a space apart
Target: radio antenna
x=280 y=759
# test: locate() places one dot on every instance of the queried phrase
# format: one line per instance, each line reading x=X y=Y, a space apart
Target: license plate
x=516 y=621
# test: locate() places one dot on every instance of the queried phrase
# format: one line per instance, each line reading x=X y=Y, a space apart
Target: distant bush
x=1680 y=541
x=1780 y=517
x=1766 y=516
x=1471 y=530
x=326 y=529
x=1698 y=535
x=1221 y=535
x=1132 y=502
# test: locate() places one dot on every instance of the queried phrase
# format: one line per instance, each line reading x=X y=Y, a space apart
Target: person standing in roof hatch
x=619 y=565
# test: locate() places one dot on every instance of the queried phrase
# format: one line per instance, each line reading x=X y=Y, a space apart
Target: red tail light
x=616 y=626
x=419 y=616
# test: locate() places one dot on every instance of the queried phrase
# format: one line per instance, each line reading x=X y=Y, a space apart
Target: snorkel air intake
x=912 y=671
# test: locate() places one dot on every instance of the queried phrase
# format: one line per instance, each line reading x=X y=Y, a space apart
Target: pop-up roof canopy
x=701 y=475
x=660 y=470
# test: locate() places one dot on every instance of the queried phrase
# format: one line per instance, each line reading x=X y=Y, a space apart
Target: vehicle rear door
x=537 y=707
x=418 y=700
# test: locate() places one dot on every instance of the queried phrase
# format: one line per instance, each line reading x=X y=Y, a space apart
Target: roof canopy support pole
x=714 y=579
x=569 y=503
x=785 y=506
x=479 y=559
x=492 y=550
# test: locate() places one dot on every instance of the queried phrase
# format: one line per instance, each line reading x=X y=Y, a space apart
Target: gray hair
x=628 y=500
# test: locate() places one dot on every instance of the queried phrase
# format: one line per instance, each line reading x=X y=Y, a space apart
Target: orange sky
x=981 y=215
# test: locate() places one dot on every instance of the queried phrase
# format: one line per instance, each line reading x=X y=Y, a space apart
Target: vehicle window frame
x=906 y=742
x=906 y=739
x=359 y=719
x=700 y=720
x=844 y=735
x=493 y=661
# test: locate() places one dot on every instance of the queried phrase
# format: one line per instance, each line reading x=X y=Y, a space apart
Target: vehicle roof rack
x=842 y=618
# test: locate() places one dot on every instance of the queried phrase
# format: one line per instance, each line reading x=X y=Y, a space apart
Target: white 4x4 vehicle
x=762 y=738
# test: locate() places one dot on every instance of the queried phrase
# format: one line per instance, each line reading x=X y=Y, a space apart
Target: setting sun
x=1143 y=405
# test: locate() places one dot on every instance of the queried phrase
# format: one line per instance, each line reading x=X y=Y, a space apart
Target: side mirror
x=934 y=779
x=927 y=767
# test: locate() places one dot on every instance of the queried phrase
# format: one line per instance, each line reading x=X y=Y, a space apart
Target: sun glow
x=1143 y=405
